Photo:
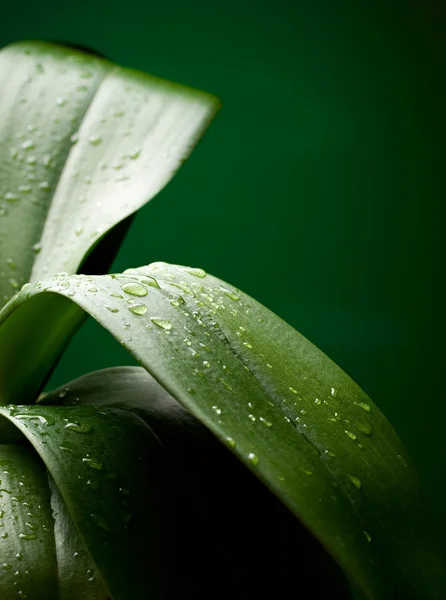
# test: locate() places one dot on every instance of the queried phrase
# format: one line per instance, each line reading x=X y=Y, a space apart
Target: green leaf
x=291 y=415
x=84 y=145
x=214 y=494
x=78 y=576
x=115 y=493
x=26 y=528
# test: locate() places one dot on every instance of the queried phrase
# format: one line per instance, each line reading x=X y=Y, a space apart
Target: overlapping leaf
x=276 y=401
x=26 y=527
x=214 y=494
x=84 y=144
x=111 y=490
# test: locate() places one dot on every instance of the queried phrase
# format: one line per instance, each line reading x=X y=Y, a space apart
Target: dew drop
x=95 y=140
x=79 y=427
x=40 y=418
x=138 y=309
x=231 y=442
x=134 y=153
x=10 y=197
x=112 y=309
x=364 y=406
x=93 y=464
x=265 y=422
x=350 y=434
x=177 y=301
x=217 y=410
x=253 y=459
x=163 y=323
x=196 y=272
x=134 y=289
x=231 y=295
x=28 y=536
x=152 y=282
x=356 y=482
x=28 y=145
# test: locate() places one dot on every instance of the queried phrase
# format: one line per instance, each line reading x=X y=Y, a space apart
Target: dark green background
x=318 y=190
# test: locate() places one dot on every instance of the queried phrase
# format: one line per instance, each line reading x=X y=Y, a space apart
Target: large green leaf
x=214 y=493
x=26 y=528
x=84 y=144
x=112 y=475
x=291 y=415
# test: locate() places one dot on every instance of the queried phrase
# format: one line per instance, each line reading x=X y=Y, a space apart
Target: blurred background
x=317 y=190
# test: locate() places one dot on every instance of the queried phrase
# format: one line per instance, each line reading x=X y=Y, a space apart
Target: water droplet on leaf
x=93 y=464
x=163 y=323
x=356 y=482
x=79 y=427
x=138 y=309
x=253 y=459
x=134 y=289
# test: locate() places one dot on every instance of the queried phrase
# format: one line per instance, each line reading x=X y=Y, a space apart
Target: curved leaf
x=36 y=127
x=115 y=492
x=78 y=576
x=280 y=404
x=214 y=493
x=26 y=528
x=84 y=145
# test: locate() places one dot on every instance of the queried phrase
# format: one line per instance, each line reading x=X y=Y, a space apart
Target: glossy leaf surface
x=254 y=545
x=77 y=574
x=291 y=415
x=84 y=145
x=26 y=527
x=114 y=493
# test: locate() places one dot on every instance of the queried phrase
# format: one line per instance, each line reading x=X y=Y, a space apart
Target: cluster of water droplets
x=193 y=307
x=94 y=475
x=20 y=509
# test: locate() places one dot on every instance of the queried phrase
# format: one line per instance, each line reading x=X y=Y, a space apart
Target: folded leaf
x=78 y=576
x=113 y=476
x=253 y=557
x=84 y=145
x=26 y=528
x=291 y=415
